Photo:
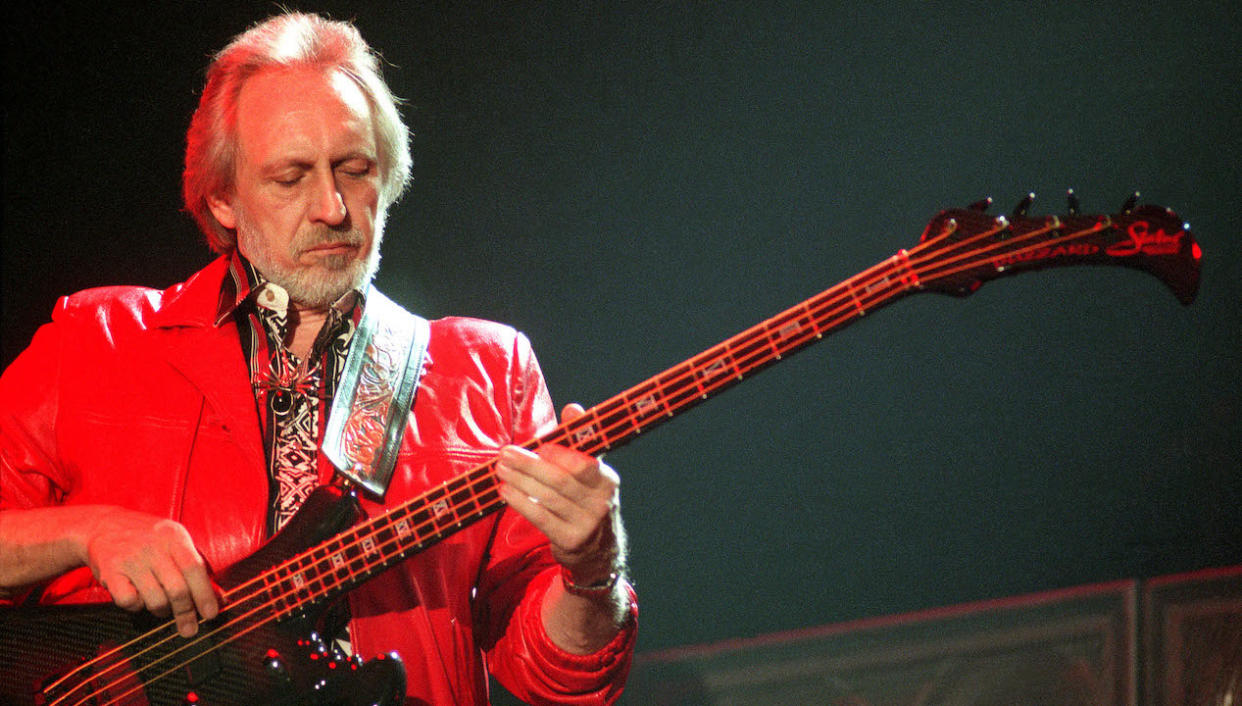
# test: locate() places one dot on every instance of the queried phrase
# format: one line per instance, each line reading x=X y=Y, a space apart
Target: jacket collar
x=194 y=302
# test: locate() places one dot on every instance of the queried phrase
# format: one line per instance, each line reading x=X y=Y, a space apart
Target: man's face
x=306 y=189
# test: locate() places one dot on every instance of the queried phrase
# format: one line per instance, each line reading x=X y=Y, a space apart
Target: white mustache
x=306 y=241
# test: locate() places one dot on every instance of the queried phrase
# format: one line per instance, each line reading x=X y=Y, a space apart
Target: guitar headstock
x=963 y=248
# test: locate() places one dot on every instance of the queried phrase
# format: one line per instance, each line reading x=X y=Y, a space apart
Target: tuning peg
x=1130 y=203
x=981 y=205
x=1024 y=205
x=1072 y=200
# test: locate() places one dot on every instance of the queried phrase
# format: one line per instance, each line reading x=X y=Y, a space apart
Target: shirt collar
x=243 y=284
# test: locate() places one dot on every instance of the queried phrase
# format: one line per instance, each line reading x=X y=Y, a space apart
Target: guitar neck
x=958 y=251
x=376 y=544
x=619 y=419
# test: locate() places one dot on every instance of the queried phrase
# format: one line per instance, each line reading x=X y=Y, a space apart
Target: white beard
x=314 y=286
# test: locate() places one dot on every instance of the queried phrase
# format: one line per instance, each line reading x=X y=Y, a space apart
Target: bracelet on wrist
x=594 y=590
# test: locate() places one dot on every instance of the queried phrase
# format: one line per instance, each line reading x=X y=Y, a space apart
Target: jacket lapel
x=210 y=356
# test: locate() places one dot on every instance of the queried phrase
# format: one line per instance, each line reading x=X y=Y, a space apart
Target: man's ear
x=222 y=209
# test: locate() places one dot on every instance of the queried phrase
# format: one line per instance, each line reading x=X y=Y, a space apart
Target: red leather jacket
x=134 y=397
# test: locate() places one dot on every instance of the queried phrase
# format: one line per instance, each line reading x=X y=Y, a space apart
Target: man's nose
x=329 y=206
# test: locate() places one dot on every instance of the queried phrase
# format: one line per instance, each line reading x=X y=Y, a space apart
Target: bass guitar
x=263 y=647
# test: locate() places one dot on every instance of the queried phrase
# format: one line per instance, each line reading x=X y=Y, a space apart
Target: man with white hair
x=150 y=437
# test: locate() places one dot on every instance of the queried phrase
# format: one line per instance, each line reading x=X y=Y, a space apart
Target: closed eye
x=357 y=167
x=288 y=178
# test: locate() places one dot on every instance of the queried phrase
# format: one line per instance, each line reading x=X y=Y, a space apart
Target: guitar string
x=386 y=521
x=635 y=418
x=929 y=274
x=711 y=386
x=749 y=339
x=273 y=602
x=1043 y=243
x=379 y=559
x=632 y=420
x=259 y=580
x=326 y=588
x=756 y=335
x=1048 y=227
x=629 y=418
x=746 y=351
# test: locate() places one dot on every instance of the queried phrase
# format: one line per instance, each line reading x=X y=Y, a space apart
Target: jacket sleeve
x=518 y=573
x=30 y=473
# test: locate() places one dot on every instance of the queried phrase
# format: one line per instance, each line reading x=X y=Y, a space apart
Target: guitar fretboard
x=373 y=545
x=992 y=247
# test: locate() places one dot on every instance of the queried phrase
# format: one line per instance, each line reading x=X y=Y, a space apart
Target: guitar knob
x=1024 y=205
x=1072 y=200
x=275 y=665
x=1130 y=203
x=982 y=205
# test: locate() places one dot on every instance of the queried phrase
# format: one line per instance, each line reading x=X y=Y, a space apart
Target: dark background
x=630 y=183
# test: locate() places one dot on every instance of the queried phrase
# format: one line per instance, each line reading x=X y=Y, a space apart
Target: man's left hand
x=572 y=498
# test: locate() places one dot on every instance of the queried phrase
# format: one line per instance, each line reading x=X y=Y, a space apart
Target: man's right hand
x=142 y=560
x=150 y=562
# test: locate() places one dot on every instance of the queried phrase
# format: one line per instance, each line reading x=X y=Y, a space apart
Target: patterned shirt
x=292 y=395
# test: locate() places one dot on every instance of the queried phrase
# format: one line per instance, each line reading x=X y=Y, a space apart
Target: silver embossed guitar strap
x=376 y=391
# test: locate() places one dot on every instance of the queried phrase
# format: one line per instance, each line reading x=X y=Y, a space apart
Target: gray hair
x=287 y=40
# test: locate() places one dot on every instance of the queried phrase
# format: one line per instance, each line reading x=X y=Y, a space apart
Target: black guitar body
x=69 y=654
